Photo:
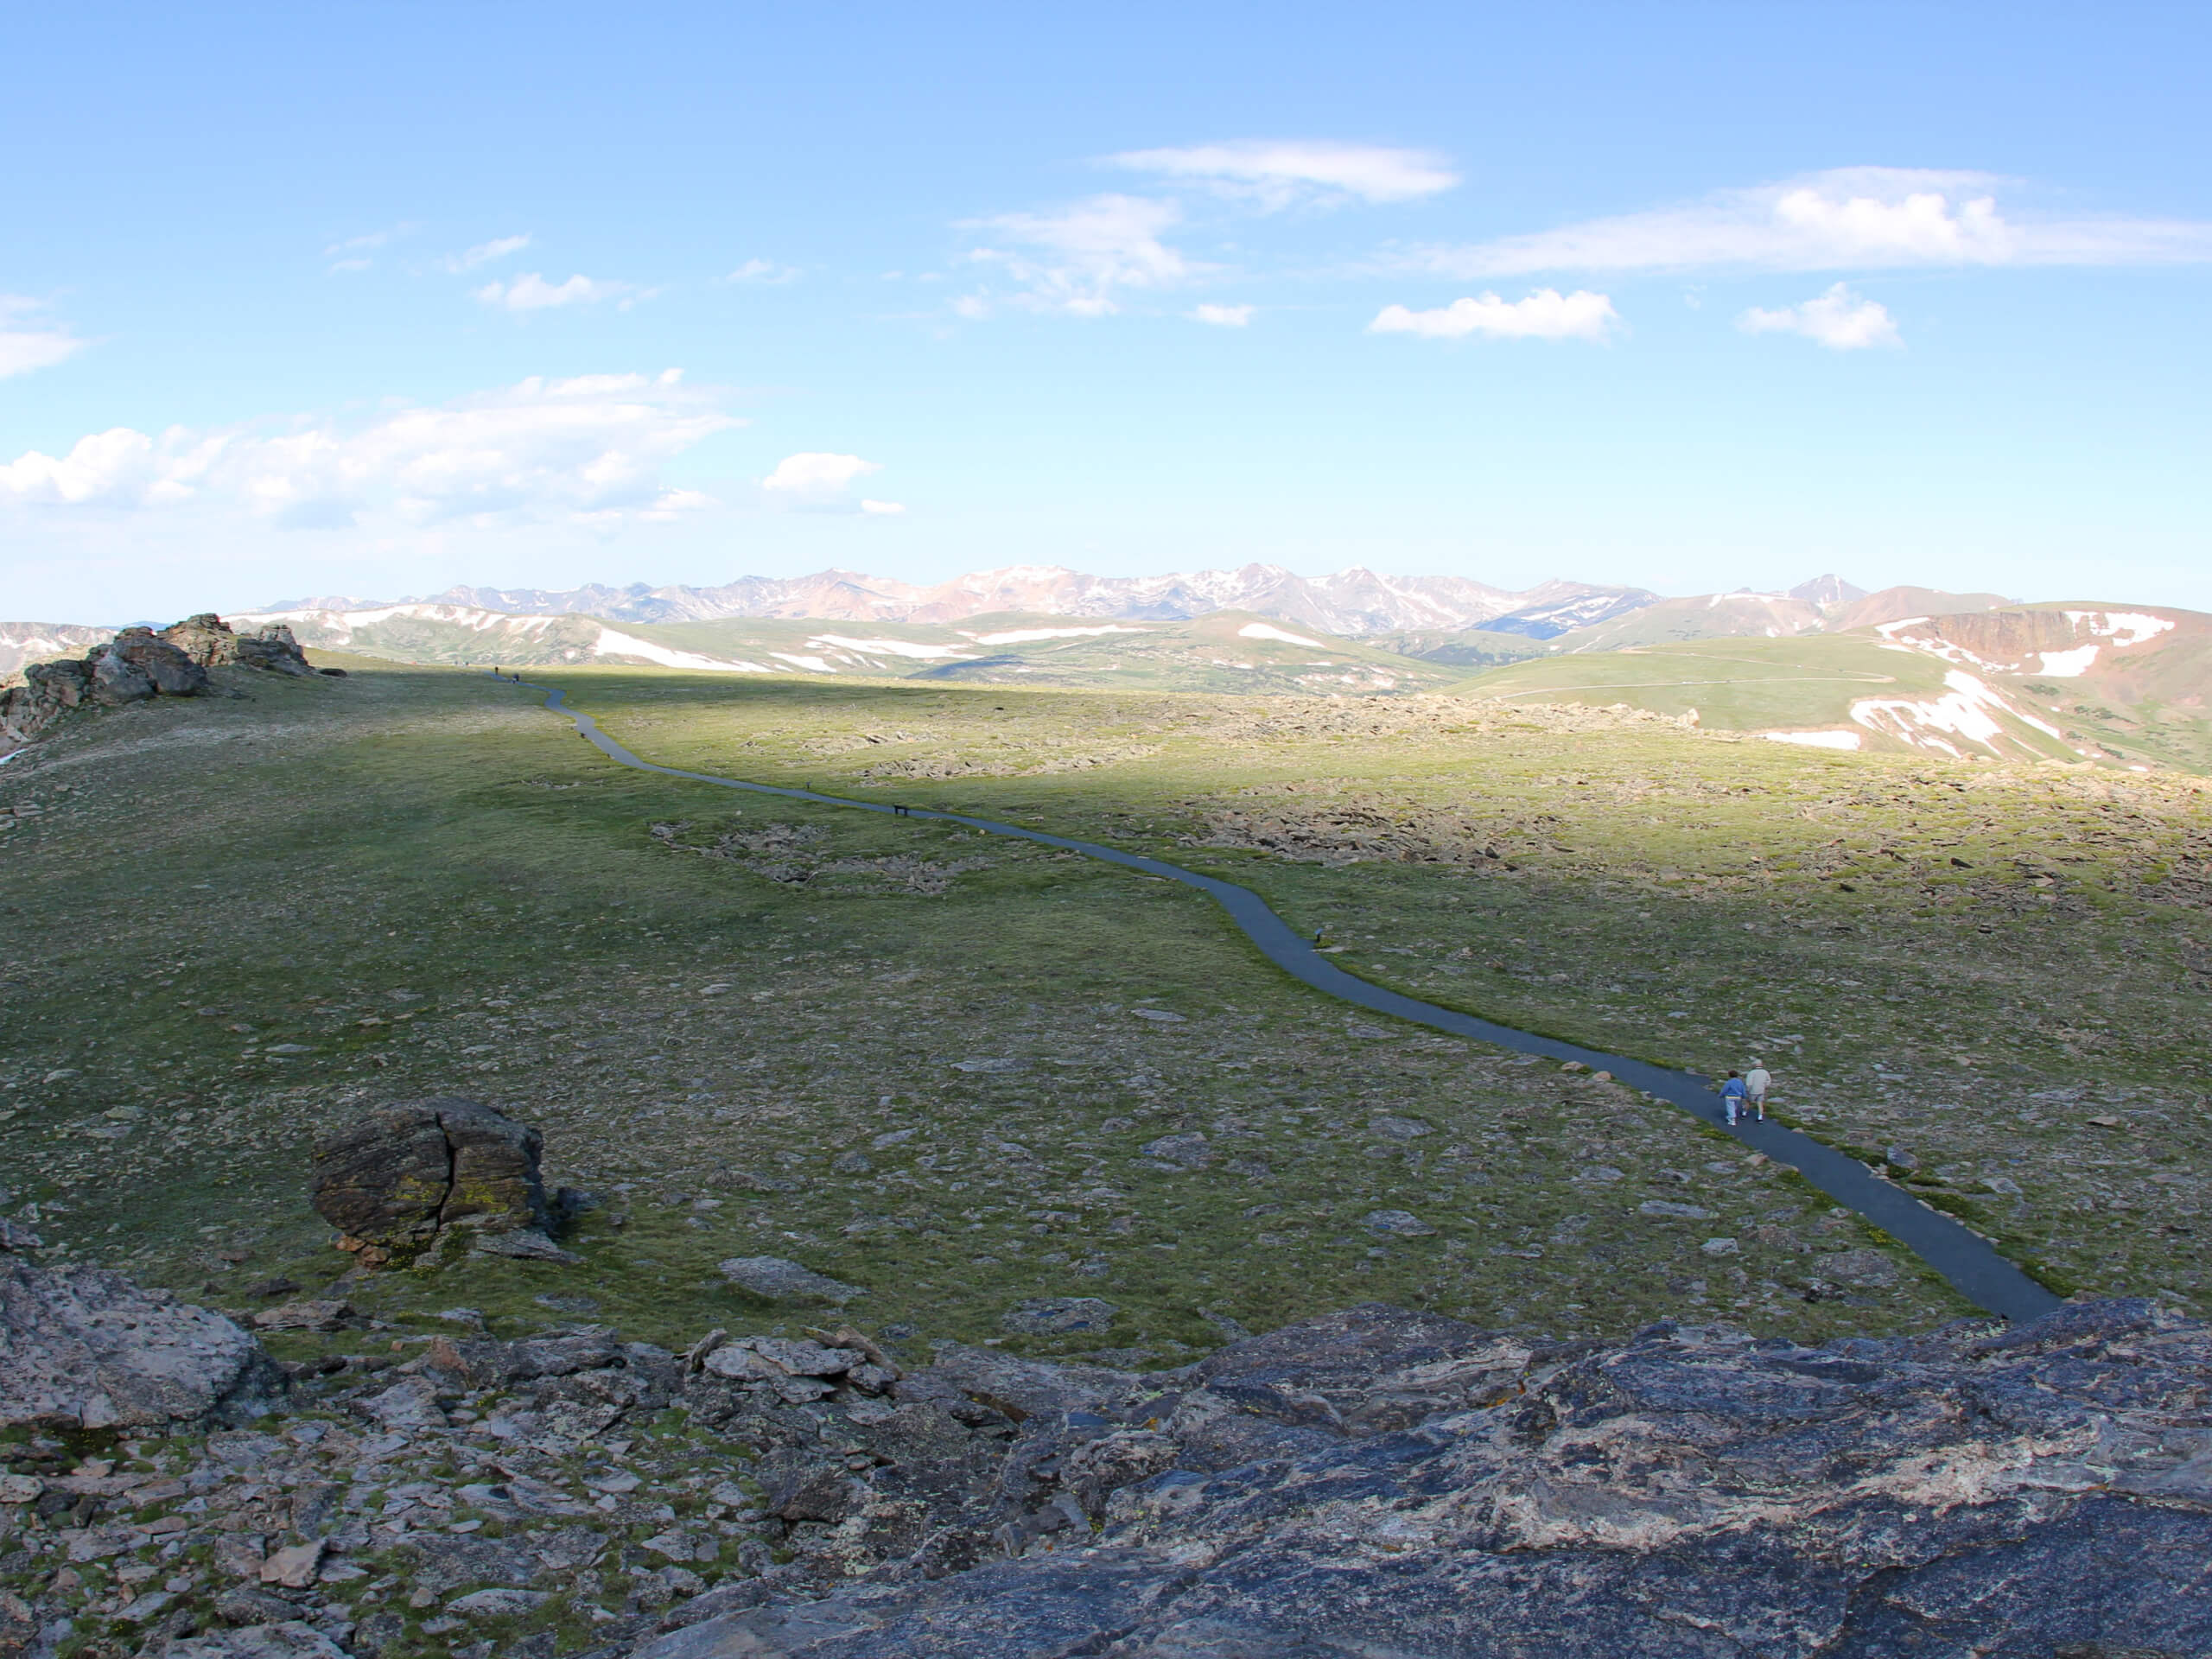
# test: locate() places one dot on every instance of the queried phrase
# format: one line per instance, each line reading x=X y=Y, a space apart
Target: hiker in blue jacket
x=1731 y=1096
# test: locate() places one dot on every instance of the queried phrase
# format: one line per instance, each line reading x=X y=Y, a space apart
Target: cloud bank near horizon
x=586 y=449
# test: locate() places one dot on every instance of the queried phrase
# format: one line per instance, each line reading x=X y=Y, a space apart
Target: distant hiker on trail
x=1757 y=1082
x=1731 y=1097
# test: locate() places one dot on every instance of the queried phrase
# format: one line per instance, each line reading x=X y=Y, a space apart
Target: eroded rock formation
x=139 y=665
x=401 y=1175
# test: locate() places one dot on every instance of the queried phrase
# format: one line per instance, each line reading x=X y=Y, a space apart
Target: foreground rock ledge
x=2037 y=1490
x=1374 y=1483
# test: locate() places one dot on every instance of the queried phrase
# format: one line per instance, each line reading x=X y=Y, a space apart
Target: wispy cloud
x=26 y=345
x=1076 y=260
x=355 y=252
x=485 y=252
x=1839 y=319
x=818 y=481
x=586 y=449
x=1545 y=314
x=764 y=271
x=1850 y=219
x=1224 y=317
x=533 y=293
x=1276 y=173
x=883 y=509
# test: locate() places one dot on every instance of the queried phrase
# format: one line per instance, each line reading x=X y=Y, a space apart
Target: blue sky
x=371 y=299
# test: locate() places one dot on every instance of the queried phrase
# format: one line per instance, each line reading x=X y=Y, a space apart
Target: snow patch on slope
x=888 y=647
x=2124 y=628
x=1268 y=630
x=1025 y=636
x=1816 y=740
x=1968 y=710
x=2069 y=664
x=623 y=645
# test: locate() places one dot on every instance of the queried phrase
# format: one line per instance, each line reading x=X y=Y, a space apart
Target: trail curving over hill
x=1970 y=1265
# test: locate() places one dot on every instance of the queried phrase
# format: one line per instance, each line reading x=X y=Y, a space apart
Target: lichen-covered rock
x=393 y=1180
x=205 y=638
x=84 y=1348
x=1433 y=1490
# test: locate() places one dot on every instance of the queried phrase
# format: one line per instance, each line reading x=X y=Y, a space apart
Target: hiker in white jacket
x=1757 y=1082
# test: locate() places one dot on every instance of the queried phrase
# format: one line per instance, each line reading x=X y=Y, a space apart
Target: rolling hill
x=2067 y=682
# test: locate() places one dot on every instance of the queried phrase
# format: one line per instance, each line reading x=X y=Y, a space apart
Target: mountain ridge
x=1351 y=603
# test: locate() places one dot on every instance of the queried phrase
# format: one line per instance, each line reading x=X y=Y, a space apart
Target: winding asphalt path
x=1974 y=1269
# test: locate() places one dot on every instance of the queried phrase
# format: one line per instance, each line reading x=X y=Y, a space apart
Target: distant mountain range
x=1351 y=604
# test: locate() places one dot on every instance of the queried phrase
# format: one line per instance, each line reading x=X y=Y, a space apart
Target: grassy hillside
x=1733 y=685
x=931 y=1064
x=1709 y=616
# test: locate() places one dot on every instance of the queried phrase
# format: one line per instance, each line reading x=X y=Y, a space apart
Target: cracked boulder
x=395 y=1178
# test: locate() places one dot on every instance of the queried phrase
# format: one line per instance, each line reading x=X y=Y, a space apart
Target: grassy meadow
x=960 y=1072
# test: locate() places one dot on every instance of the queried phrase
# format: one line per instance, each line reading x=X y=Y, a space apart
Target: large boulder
x=395 y=1178
x=169 y=671
x=85 y=1348
x=272 y=647
x=115 y=680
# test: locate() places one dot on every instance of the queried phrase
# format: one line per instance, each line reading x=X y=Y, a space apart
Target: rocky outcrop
x=394 y=1180
x=139 y=665
x=1387 y=1482
x=84 y=1348
x=211 y=642
x=1372 y=1482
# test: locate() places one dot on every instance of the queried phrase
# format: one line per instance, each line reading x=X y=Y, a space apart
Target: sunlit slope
x=2124 y=683
x=1731 y=684
x=1849 y=692
x=1228 y=651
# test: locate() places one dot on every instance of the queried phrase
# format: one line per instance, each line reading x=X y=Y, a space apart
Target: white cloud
x=586 y=449
x=485 y=252
x=1276 y=175
x=1839 y=319
x=1848 y=219
x=23 y=348
x=885 y=508
x=356 y=250
x=1545 y=314
x=1224 y=317
x=764 y=271
x=534 y=293
x=1077 y=258
x=817 y=480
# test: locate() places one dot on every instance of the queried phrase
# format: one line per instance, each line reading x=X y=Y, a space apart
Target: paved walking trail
x=1972 y=1265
